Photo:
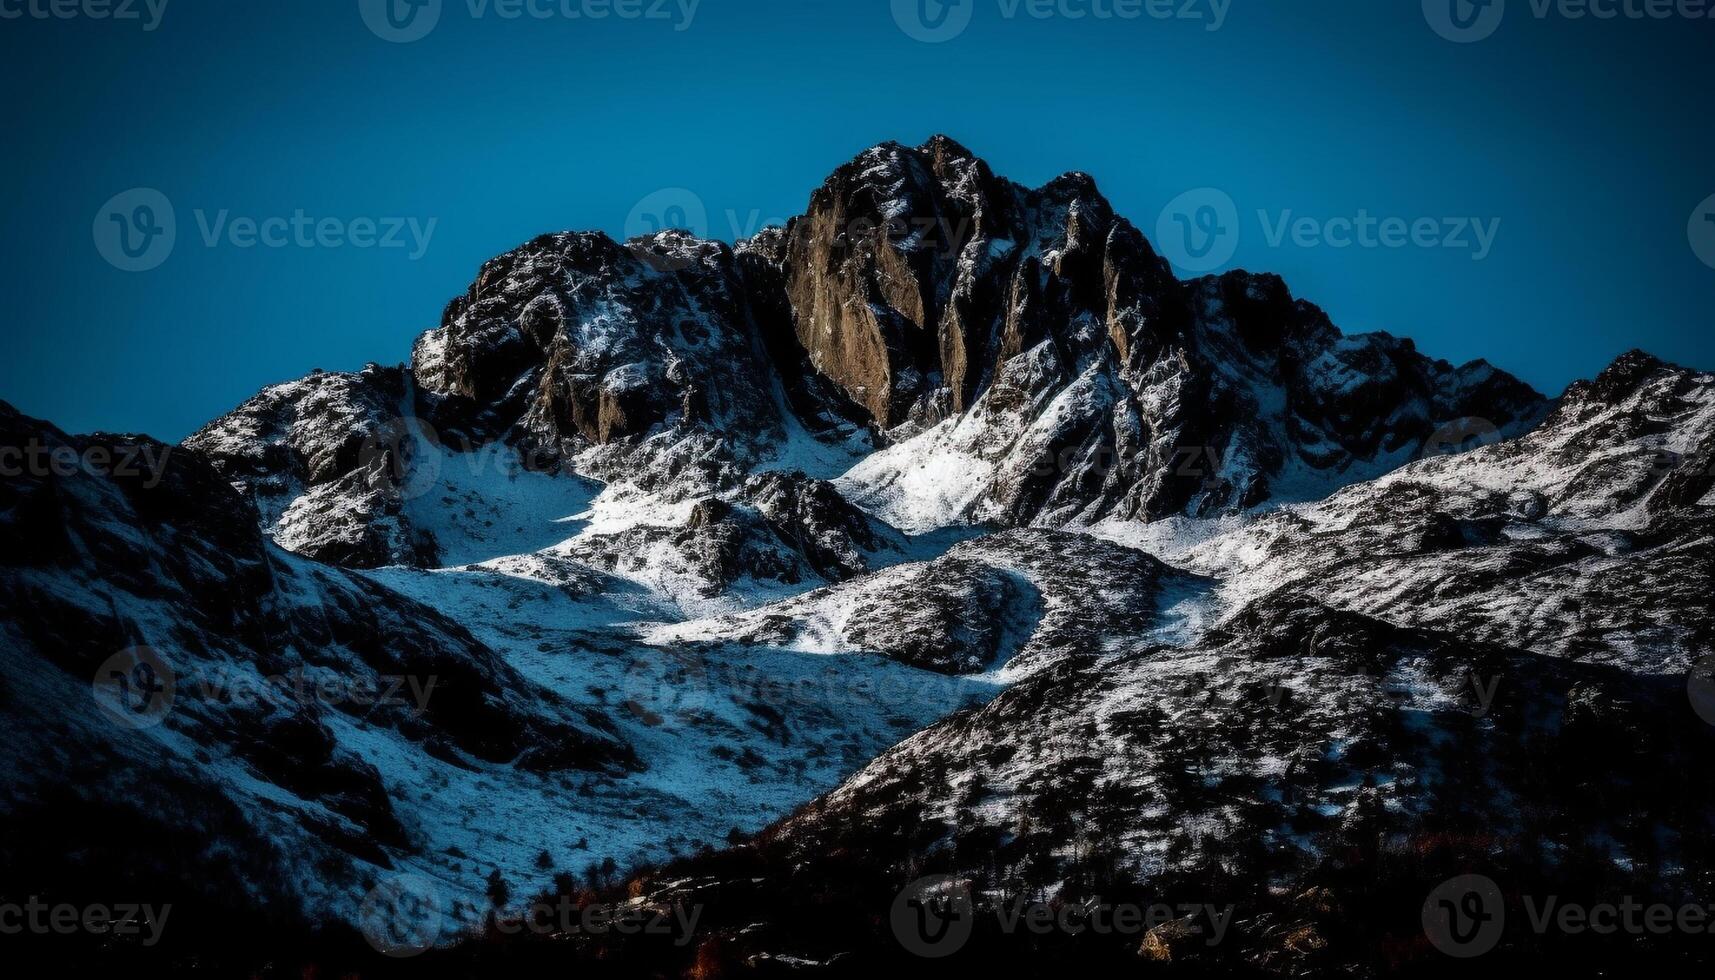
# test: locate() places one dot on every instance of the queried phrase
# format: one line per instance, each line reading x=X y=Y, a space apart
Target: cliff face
x=1020 y=356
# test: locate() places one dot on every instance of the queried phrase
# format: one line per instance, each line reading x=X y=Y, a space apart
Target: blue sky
x=1582 y=144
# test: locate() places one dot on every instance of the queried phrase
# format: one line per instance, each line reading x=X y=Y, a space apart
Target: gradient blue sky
x=1589 y=141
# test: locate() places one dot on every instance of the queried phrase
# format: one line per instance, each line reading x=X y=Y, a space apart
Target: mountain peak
x=942 y=145
x=918 y=288
x=1622 y=377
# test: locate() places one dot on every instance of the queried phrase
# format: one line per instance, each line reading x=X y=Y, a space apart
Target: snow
x=924 y=483
x=734 y=735
x=484 y=504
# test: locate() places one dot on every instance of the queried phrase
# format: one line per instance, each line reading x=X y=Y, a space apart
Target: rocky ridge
x=706 y=533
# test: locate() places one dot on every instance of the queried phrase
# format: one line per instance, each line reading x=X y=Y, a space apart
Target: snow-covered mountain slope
x=944 y=505
x=1589 y=537
x=321 y=458
x=1313 y=773
x=1478 y=663
x=335 y=727
x=1021 y=356
x=1004 y=605
x=281 y=694
x=1034 y=361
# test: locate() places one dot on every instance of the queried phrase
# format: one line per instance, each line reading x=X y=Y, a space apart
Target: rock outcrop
x=1023 y=356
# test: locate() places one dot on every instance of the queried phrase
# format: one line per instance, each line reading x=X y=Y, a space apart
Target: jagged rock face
x=1028 y=355
x=577 y=338
x=868 y=265
x=916 y=272
x=1480 y=662
x=835 y=537
x=1282 y=727
x=321 y=459
x=1071 y=376
x=1005 y=604
x=1587 y=537
x=1315 y=773
x=774 y=532
x=814 y=397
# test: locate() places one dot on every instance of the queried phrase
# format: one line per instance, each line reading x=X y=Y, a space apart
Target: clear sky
x=1588 y=140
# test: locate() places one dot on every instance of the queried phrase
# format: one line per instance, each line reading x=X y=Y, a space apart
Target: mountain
x=942 y=531
x=334 y=728
x=1476 y=664
x=1019 y=357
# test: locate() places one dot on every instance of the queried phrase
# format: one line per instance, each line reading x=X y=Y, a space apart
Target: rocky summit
x=940 y=534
